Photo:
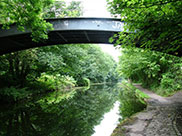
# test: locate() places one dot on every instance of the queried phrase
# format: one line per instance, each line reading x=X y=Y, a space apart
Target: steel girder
x=66 y=31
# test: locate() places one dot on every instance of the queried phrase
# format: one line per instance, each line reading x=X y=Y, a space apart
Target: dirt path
x=163 y=117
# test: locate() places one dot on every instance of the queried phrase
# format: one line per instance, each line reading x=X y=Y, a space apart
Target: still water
x=81 y=113
x=109 y=122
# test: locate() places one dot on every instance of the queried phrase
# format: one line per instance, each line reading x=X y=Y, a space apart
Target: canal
x=92 y=112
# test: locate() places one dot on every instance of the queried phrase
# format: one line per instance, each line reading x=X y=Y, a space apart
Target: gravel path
x=163 y=117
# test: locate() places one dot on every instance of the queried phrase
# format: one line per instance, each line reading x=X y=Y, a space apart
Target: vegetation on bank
x=160 y=72
x=57 y=68
x=145 y=27
x=132 y=100
x=157 y=71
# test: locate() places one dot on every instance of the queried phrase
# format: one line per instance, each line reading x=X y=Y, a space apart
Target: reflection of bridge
x=66 y=31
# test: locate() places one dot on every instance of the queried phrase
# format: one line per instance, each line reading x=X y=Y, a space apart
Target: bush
x=154 y=70
x=172 y=80
x=131 y=99
x=56 y=82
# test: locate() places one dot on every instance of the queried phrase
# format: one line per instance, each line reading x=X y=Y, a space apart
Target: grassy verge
x=164 y=92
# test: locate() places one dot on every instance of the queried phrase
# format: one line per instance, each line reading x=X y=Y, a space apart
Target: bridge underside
x=24 y=41
x=66 y=31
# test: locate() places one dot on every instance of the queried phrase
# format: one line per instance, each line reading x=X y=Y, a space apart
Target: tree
x=27 y=14
x=15 y=67
x=98 y=64
x=79 y=61
x=154 y=70
x=60 y=9
x=31 y=14
x=151 y=24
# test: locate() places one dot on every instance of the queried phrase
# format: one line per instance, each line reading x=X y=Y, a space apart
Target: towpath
x=163 y=117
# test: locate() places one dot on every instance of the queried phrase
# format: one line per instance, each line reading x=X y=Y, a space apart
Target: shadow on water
x=52 y=115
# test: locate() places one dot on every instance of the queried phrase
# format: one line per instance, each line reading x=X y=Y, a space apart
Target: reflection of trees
x=76 y=116
x=17 y=123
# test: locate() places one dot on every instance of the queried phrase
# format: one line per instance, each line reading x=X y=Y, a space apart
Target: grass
x=164 y=92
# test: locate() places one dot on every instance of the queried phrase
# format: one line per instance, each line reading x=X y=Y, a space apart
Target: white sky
x=94 y=8
x=98 y=8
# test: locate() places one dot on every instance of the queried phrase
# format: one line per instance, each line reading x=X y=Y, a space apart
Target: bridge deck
x=66 y=31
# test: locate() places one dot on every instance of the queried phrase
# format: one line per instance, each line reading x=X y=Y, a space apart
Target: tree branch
x=155 y=4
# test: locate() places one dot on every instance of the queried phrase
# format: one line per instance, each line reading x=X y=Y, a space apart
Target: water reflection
x=52 y=115
x=109 y=122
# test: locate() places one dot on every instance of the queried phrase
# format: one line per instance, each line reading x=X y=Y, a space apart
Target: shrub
x=172 y=80
x=154 y=70
x=131 y=99
x=56 y=82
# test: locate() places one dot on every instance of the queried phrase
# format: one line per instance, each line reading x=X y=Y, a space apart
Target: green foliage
x=86 y=82
x=172 y=79
x=132 y=100
x=140 y=66
x=16 y=67
x=151 y=24
x=141 y=96
x=153 y=69
x=56 y=82
x=27 y=15
x=25 y=66
x=74 y=9
x=13 y=93
x=78 y=61
x=60 y=9
x=31 y=14
x=98 y=65
x=59 y=67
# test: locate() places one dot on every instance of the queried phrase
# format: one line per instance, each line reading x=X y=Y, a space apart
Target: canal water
x=93 y=112
x=109 y=122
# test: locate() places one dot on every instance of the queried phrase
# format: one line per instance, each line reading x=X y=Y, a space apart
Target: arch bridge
x=66 y=31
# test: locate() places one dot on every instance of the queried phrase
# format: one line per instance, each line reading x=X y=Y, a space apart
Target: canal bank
x=162 y=117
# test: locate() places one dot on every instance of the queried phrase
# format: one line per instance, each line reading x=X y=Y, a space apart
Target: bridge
x=66 y=31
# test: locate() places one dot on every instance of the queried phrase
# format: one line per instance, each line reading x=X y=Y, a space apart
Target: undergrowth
x=132 y=100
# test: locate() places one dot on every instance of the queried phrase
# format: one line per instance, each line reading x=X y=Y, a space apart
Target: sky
x=94 y=8
x=98 y=8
